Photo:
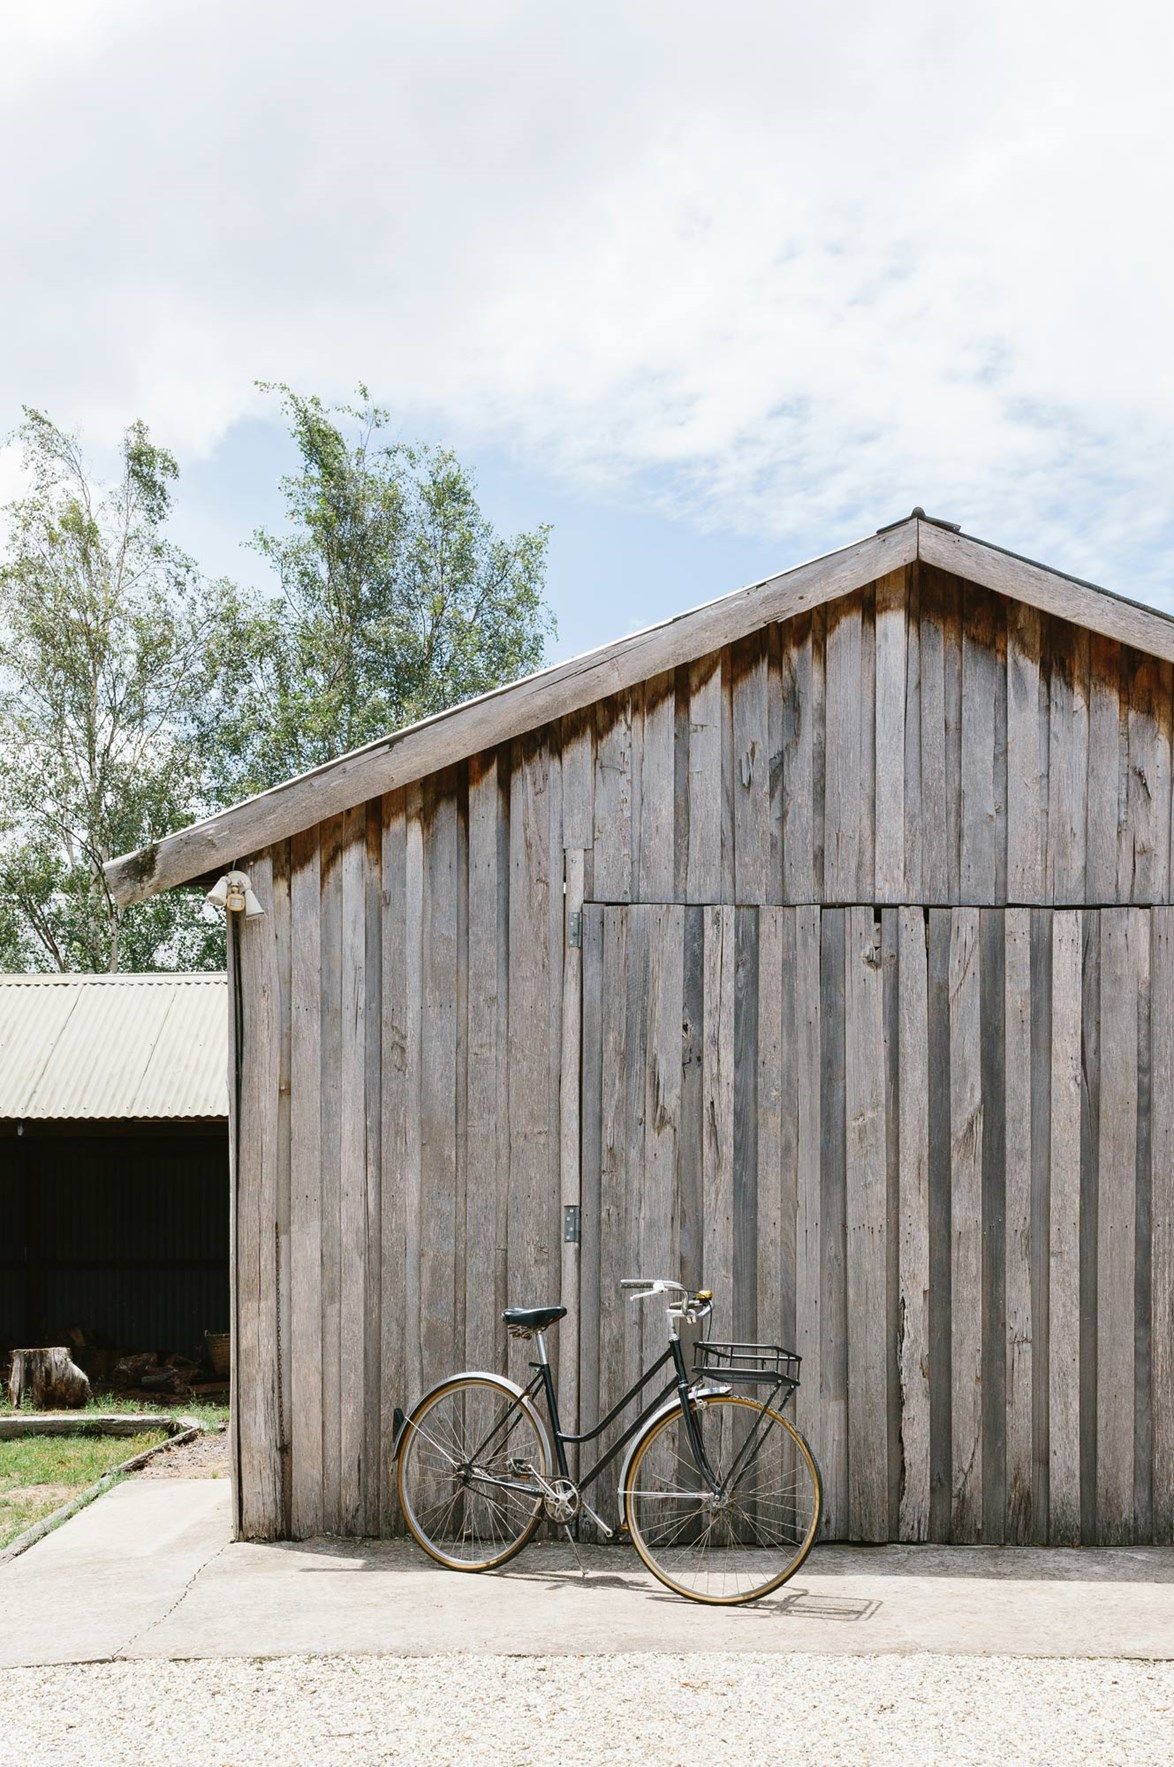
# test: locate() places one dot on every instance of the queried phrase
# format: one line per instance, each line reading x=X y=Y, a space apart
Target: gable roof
x=151 y=1047
x=406 y=755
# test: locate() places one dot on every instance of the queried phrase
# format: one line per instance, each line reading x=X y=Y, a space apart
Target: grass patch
x=40 y=1473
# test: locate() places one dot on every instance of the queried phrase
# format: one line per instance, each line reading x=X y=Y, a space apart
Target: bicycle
x=719 y=1492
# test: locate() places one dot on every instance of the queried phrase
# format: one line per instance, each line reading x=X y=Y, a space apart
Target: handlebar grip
x=635 y=1282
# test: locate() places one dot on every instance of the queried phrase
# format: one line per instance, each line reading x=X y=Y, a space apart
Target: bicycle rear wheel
x=466 y=1473
x=746 y=1539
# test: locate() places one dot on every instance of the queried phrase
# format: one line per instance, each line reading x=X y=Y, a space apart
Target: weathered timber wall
x=928 y=1149
x=920 y=741
x=412 y=1118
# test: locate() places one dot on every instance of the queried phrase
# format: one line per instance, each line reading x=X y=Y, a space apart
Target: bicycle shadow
x=796 y=1604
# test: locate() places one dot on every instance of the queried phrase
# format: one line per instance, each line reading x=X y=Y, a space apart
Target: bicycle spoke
x=455 y=1478
x=747 y=1536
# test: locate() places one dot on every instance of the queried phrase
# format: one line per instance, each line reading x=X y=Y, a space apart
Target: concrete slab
x=90 y=1588
x=151 y=1574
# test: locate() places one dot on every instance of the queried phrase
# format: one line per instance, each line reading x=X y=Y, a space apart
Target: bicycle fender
x=673 y=1404
x=496 y=1380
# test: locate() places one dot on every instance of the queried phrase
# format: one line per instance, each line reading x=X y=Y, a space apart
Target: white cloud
x=787 y=268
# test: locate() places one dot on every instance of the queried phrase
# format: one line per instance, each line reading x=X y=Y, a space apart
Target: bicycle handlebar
x=641 y=1286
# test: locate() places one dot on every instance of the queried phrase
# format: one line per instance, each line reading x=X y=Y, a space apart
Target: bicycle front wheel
x=748 y=1537
x=466 y=1475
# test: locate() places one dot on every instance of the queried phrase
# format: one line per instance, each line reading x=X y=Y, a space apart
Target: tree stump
x=49 y=1377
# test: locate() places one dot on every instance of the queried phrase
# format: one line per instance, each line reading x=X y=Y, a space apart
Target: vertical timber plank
x=833 y=1430
x=891 y=653
x=745 y=1203
x=1162 y=1221
x=1019 y=1248
x=330 y=1142
x=808 y=1167
x=912 y=822
x=913 y=1227
x=1104 y=745
x=305 y=1190
x=1145 y=848
x=1025 y=755
x=1064 y=1233
x=866 y=765
x=935 y=880
x=690 y=1142
x=258 y=1420
x=1068 y=739
x=967 y=1309
x=979 y=688
x=394 y=1106
x=842 y=786
x=570 y=1136
x=659 y=1250
x=940 y=1168
x=535 y=909
x=591 y=1166
x=751 y=762
x=776 y=808
x=284 y=1029
x=718 y=1094
x=865 y=1225
x=484 y=1231
x=353 y=1171
x=1121 y=931
x=615 y=1062
x=614 y=833
x=950 y=589
x=657 y=792
x=704 y=862
x=769 y=1092
x=992 y=954
x=798 y=762
x=374 y=1465
x=439 y=1313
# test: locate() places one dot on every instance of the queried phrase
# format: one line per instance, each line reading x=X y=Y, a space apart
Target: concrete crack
x=124 y=1650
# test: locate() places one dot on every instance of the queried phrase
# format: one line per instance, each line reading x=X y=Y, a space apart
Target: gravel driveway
x=513 y=1711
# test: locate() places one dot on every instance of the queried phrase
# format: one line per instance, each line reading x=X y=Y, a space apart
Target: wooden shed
x=816 y=946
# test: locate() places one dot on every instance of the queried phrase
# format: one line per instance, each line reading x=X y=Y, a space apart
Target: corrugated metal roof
x=146 y=1046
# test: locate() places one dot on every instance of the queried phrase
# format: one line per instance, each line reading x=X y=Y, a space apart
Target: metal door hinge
x=575 y=928
x=572 y=1224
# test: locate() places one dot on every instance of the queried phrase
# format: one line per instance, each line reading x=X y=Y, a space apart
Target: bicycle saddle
x=525 y=1321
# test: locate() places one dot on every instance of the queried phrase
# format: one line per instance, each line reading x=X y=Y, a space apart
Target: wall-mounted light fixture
x=234 y=893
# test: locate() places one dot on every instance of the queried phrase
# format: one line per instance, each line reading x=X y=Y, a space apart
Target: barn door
x=931 y=1150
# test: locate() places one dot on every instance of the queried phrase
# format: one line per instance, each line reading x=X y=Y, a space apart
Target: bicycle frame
x=543 y=1382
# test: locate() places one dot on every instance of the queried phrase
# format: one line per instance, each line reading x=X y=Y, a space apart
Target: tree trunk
x=50 y=1378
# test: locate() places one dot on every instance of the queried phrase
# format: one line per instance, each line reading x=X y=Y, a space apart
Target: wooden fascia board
x=1083 y=604
x=496 y=717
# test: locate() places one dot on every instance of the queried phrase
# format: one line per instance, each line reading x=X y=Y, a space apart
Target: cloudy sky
x=710 y=287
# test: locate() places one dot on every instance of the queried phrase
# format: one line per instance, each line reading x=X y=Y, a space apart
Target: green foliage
x=136 y=696
x=116 y=658
x=399 y=599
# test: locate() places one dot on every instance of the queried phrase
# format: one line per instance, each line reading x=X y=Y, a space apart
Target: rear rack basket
x=748 y=1365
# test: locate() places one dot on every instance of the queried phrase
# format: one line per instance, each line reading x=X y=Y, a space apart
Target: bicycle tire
x=760 y=1510
x=465 y=1523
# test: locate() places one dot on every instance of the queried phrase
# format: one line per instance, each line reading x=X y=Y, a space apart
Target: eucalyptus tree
x=117 y=659
x=398 y=597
